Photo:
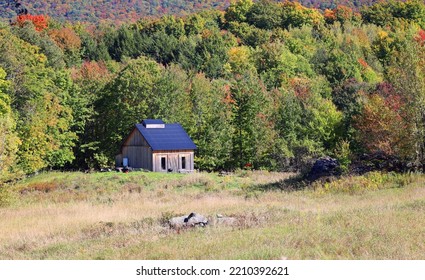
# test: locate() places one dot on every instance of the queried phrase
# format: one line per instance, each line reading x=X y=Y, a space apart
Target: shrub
x=343 y=154
x=370 y=181
x=7 y=197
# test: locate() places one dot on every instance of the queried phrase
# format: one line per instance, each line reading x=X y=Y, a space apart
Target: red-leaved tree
x=40 y=21
x=383 y=125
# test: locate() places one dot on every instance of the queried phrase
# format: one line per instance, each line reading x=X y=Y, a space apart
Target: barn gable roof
x=168 y=137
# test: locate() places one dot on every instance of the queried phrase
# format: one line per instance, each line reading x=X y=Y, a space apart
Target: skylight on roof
x=149 y=123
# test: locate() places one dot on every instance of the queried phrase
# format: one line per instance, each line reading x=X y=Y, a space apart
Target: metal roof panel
x=171 y=137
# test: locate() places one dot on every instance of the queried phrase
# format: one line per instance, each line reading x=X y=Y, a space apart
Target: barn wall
x=173 y=161
x=138 y=157
x=137 y=150
x=135 y=139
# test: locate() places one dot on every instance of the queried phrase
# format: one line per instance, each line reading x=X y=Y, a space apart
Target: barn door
x=173 y=163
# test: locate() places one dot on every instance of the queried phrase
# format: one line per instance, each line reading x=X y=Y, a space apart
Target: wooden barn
x=159 y=147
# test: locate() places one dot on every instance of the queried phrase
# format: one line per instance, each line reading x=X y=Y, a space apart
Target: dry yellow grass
x=120 y=218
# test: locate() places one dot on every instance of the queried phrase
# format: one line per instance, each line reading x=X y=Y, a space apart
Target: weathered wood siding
x=137 y=150
x=135 y=139
x=173 y=161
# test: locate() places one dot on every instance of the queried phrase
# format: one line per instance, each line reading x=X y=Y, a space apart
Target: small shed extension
x=159 y=147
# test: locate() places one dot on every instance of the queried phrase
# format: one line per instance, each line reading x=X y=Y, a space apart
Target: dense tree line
x=262 y=85
x=131 y=10
x=111 y=10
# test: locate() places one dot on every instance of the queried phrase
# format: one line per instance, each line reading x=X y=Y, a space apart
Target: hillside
x=132 y=10
x=264 y=85
x=113 y=10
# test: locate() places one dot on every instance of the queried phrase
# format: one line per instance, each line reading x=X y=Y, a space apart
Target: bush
x=7 y=197
x=368 y=182
x=343 y=154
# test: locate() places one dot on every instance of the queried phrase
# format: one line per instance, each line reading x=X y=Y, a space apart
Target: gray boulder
x=191 y=220
x=324 y=167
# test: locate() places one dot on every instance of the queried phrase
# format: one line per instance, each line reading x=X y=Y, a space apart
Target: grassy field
x=121 y=216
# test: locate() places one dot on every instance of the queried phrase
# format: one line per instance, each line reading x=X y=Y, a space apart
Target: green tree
x=90 y=80
x=348 y=98
x=94 y=43
x=238 y=10
x=124 y=103
x=207 y=53
x=307 y=122
x=296 y=15
x=248 y=34
x=170 y=99
x=125 y=43
x=160 y=46
x=407 y=68
x=213 y=52
x=39 y=99
x=344 y=53
x=54 y=54
x=265 y=14
x=276 y=64
x=390 y=13
x=240 y=60
x=212 y=128
x=249 y=99
x=195 y=24
x=9 y=141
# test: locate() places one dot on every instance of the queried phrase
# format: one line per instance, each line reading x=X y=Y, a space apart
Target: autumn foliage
x=341 y=13
x=420 y=37
x=65 y=38
x=40 y=21
x=271 y=83
x=91 y=70
x=383 y=125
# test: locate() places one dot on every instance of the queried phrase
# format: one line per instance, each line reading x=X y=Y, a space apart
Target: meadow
x=75 y=215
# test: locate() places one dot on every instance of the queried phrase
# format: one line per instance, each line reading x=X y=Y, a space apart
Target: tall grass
x=123 y=216
x=369 y=182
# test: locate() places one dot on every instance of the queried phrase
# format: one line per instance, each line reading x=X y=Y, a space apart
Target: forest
x=262 y=85
x=131 y=10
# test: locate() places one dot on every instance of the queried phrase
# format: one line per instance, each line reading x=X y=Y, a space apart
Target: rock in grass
x=191 y=220
x=324 y=167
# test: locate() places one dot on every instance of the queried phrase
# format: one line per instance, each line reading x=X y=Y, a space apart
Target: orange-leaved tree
x=40 y=21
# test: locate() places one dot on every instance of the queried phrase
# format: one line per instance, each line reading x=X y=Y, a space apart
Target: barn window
x=183 y=162
x=163 y=163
